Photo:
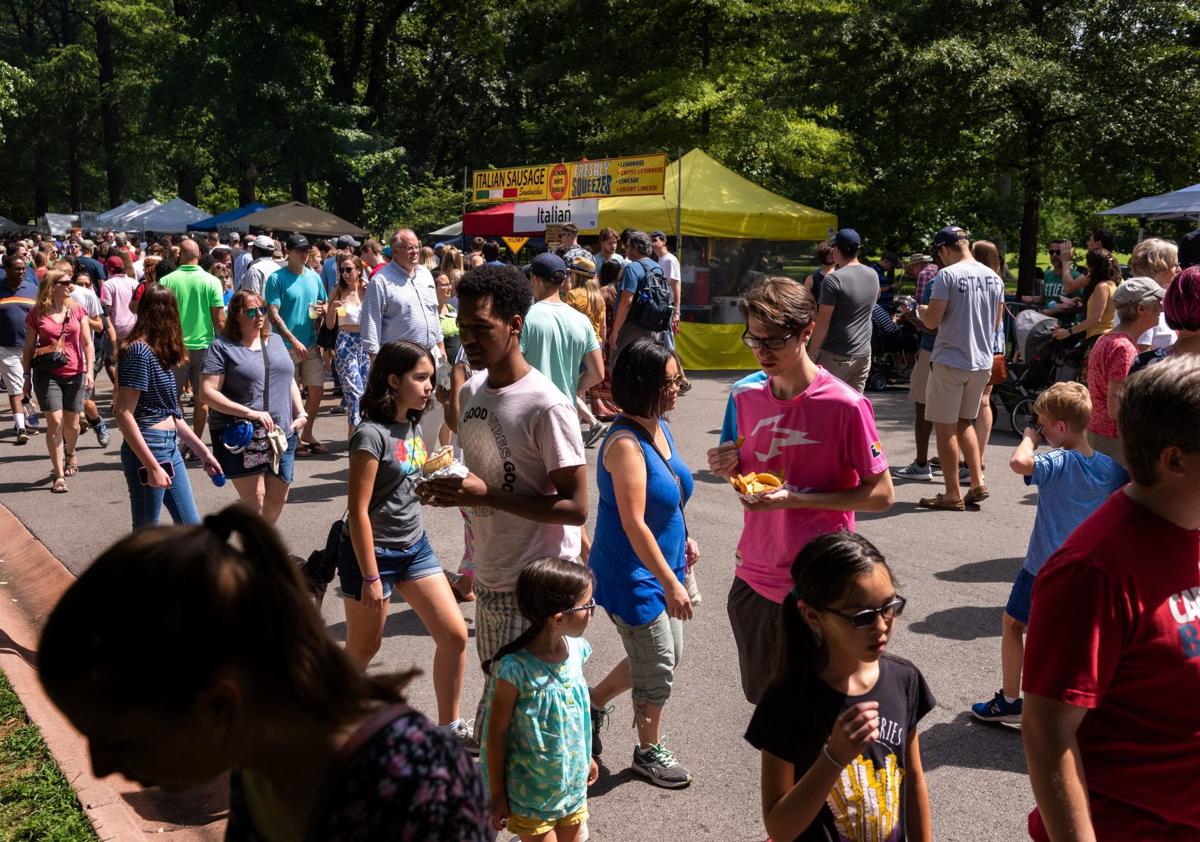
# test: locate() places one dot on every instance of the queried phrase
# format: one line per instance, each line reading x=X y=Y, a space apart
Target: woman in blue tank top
x=641 y=551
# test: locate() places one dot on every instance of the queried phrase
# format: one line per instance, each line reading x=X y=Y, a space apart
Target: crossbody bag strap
x=644 y=435
x=345 y=755
x=266 y=374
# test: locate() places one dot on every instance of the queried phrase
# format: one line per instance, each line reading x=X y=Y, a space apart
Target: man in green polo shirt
x=202 y=315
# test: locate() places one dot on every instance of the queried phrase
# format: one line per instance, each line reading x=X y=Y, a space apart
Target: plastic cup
x=341 y=310
x=218 y=480
x=313 y=313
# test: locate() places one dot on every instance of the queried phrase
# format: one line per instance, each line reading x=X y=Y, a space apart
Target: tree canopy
x=1011 y=117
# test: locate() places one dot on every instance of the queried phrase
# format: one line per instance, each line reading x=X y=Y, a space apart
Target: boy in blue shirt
x=1072 y=480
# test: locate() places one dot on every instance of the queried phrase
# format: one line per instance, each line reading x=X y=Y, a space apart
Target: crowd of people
x=533 y=367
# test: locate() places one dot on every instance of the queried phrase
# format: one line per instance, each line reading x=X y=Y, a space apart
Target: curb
x=33 y=581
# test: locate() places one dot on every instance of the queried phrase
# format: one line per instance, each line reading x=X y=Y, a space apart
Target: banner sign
x=643 y=175
x=535 y=216
x=515 y=244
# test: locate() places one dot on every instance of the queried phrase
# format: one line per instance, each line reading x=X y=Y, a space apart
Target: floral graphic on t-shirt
x=866 y=803
x=410 y=453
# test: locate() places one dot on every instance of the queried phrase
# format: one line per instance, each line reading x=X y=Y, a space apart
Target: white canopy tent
x=7 y=226
x=57 y=224
x=104 y=219
x=1178 y=204
x=171 y=218
x=454 y=229
x=125 y=220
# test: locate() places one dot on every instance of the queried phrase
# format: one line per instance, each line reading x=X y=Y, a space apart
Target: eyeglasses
x=1055 y=252
x=346 y=270
x=254 y=312
x=677 y=382
x=64 y=283
x=589 y=606
x=866 y=618
x=774 y=343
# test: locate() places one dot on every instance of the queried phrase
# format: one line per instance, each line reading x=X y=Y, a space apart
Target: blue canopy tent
x=227 y=218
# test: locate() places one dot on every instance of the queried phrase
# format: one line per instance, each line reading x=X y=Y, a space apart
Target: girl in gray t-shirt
x=384 y=545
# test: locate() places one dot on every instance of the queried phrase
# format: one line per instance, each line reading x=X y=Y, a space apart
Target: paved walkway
x=955 y=569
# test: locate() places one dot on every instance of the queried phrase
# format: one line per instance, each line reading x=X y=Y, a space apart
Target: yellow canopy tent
x=717 y=202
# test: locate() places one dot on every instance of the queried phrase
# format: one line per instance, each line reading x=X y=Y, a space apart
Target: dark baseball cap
x=1189 y=249
x=847 y=240
x=549 y=267
x=347 y=242
x=298 y=242
x=948 y=236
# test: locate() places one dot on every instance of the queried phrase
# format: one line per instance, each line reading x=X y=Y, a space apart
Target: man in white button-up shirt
x=401 y=302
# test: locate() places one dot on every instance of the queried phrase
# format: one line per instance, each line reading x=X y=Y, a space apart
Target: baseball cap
x=1137 y=289
x=298 y=242
x=1189 y=249
x=235 y=237
x=847 y=240
x=347 y=242
x=917 y=257
x=87 y=244
x=549 y=267
x=569 y=228
x=262 y=241
x=114 y=265
x=581 y=264
x=949 y=235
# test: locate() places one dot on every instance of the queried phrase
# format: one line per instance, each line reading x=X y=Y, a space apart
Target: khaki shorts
x=310 y=371
x=954 y=394
x=920 y=377
x=852 y=371
x=12 y=373
x=188 y=371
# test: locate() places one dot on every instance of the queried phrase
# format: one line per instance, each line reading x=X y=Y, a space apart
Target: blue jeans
x=146 y=502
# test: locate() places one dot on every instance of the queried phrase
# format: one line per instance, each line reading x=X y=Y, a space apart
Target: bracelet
x=829 y=756
x=369 y=579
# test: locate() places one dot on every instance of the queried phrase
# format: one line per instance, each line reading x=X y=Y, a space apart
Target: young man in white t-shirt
x=669 y=264
x=527 y=486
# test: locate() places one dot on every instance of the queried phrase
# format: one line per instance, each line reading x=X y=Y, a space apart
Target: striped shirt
x=139 y=369
x=399 y=306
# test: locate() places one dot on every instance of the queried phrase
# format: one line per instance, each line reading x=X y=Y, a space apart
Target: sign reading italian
x=644 y=175
x=529 y=217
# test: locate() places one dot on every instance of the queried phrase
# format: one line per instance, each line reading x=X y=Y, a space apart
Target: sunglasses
x=1055 y=252
x=254 y=312
x=64 y=283
x=678 y=382
x=774 y=343
x=589 y=606
x=346 y=270
x=866 y=618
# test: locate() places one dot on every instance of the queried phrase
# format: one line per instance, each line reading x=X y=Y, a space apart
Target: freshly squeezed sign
x=643 y=175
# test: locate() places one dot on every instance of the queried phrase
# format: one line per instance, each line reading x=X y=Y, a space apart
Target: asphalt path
x=954 y=568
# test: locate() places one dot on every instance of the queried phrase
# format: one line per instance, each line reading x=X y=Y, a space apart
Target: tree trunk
x=185 y=180
x=74 y=169
x=247 y=186
x=299 y=187
x=1035 y=139
x=41 y=186
x=108 y=111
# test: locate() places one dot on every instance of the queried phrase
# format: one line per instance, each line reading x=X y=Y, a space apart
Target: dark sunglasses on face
x=254 y=312
x=774 y=343
x=64 y=283
x=866 y=618
x=1055 y=252
x=346 y=270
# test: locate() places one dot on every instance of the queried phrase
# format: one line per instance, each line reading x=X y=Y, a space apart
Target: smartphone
x=144 y=475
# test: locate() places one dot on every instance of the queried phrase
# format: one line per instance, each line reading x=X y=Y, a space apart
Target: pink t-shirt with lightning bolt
x=822 y=440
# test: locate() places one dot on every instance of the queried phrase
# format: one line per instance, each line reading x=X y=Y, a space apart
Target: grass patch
x=36 y=801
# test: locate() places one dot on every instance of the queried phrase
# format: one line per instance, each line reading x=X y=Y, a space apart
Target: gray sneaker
x=659 y=766
x=914 y=471
x=463 y=734
x=594 y=434
x=102 y=435
x=599 y=720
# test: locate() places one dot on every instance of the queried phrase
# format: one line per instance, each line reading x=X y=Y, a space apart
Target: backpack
x=653 y=303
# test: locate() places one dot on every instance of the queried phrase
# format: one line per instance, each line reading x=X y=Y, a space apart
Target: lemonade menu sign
x=643 y=175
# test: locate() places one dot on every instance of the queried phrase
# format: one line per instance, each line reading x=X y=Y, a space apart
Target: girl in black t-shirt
x=838 y=728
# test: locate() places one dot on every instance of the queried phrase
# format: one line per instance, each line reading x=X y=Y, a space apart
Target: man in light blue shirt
x=401 y=301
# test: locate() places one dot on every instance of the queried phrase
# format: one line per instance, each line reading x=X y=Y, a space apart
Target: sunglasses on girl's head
x=866 y=618
x=589 y=606
x=255 y=312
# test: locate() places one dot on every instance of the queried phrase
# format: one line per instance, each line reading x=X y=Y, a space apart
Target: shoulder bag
x=53 y=356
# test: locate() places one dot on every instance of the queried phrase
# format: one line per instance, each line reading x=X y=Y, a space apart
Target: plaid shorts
x=497 y=621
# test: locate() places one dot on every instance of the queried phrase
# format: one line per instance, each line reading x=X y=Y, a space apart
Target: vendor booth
x=299 y=218
x=231 y=220
x=170 y=218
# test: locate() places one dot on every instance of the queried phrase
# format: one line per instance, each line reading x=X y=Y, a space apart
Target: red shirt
x=1111 y=358
x=48 y=332
x=1115 y=628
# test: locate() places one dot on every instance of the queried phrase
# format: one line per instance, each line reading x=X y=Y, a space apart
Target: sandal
x=59 y=486
x=70 y=465
x=940 y=502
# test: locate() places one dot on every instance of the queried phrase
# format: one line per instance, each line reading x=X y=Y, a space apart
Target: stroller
x=1038 y=361
x=892 y=358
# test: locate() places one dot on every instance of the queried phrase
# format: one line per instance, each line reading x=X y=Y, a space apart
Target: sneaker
x=964 y=473
x=914 y=471
x=102 y=435
x=599 y=720
x=659 y=766
x=997 y=710
x=461 y=732
x=22 y=436
x=594 y=434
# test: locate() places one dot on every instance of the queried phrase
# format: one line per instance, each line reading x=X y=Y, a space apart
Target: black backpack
x=653 y=302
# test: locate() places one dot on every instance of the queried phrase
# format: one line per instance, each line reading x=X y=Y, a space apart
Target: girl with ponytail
x=537 y=752
x=189 y=651
x=837 y=729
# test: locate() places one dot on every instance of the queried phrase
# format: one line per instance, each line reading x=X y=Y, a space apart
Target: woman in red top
x=56 y=324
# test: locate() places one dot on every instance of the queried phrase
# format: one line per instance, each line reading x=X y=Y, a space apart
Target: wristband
x=829 y=756
x=369 y=579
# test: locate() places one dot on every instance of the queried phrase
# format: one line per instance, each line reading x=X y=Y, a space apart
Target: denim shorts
x=1020 y=599
x=395 y=565
x=233 y=465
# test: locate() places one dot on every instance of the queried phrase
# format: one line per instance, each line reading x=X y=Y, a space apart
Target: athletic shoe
x=976 y=495
x=594 y=433
x=914 y=471
x=22 y=436
x=659 y=766
x=998 y=709
x=599 y=720
x=102 y=435
x=461 y=732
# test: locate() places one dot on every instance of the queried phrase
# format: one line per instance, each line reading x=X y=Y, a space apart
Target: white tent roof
x=7 y=226
x=115 y=213
x=57 y=224
x=454 y=229
x=1179 y=204
x=124 y=220
x=171 y=218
